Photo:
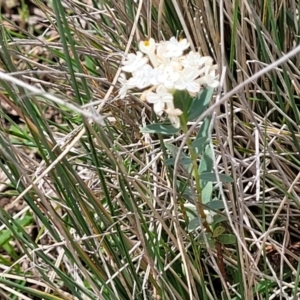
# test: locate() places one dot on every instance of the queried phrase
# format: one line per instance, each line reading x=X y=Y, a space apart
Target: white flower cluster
x=159 y=69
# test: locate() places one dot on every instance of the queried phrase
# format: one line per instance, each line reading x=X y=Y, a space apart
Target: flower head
x=159 y=69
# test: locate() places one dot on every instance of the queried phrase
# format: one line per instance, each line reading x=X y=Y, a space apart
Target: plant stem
x=196 y=175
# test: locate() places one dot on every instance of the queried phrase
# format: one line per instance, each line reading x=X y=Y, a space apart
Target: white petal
x=174 y=112
x=159 y=107
x=180 y=84
x=175 y=121
x=122 y=78
x=214 y=84
x=209 y=219
x=134 y=62
x=152 y=97
x=123 y=91
x=164 y=94
x=184 y=44
x=147 y=46
x=167 y=97
x=193 y=87
x=161 y=89
x=175 y=48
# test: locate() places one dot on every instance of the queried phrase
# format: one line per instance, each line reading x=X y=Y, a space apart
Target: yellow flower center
x=146 y=43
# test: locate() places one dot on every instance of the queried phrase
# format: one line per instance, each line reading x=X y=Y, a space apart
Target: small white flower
x=195 y=60
x=175 y=48
x=173 y=114
x=144 y=94
x=210 y=78
x=167 y=75
x=159 y=99
x=133 y=62
x=187 y=81
x=160 y=51
x=192 y=59
x=142 y=77
x=206 y=61
x=148 y=47
x=125 y=86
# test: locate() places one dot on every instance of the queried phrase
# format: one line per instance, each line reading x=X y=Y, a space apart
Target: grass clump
x=99 y=202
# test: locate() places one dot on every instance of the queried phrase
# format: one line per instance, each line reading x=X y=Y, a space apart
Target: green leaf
x=208 y=176
x=218 y=231
x=185 y=191
x=183 y=101
x=184 y=160
x=160 y=128
x=206 y=164
x=200 y=104
x=219 y=219
x=215 y=205
x=227 y=239
x=193 y=224
x=211 y=242
x=207 y=192
x=203 y=131
x=202 y=138
x=199 y=144
x=191 y=211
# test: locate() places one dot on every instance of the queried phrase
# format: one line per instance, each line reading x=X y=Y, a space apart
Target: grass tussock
x=87 y=203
